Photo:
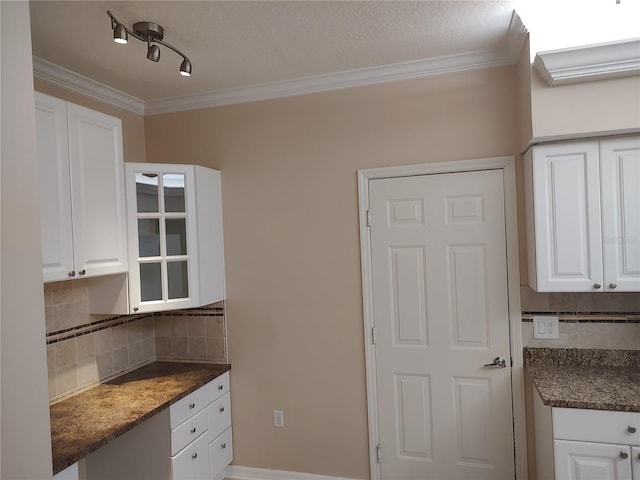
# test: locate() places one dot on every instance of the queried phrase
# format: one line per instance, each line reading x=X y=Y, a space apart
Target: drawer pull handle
x=220 y=387
x=193 y=430
x=192 y=405
x=195 y=455
x=221 y=409
x=223 y=446
x=631 y=429
x=624 y=455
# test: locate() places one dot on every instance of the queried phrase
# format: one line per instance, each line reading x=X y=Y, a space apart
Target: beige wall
x=25 y=445
x=524 y=97
x=294 y=309
x=132 y=123
x=580 y=109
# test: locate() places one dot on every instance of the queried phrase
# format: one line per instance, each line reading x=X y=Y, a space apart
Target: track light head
x=153 y=53
x=151 y=33
x=120 y=34
x=185 y=68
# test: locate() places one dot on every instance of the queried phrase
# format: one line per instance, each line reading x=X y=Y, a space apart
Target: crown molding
x=516 y=35
x=327 y=82
x=300 y=86
x=590 y=62
x=62 y=77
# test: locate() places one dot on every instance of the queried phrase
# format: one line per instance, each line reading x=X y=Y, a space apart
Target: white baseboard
x=235 y=472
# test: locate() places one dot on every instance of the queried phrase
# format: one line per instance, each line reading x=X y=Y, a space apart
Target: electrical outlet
x=546 y=327
x=278 y=418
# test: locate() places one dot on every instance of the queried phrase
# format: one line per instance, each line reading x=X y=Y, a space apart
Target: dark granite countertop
x=586 y=378
x=83 y=423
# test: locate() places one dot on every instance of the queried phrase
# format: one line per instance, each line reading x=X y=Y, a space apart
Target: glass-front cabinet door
x=163 y=251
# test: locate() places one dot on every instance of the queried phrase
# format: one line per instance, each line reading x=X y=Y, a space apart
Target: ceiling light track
x=151 y=33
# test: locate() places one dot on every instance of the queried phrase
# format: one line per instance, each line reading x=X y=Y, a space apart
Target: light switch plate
x=546 y=327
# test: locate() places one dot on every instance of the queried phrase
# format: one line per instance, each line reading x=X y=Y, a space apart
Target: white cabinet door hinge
x=373 y=335
x=368 y=218
x=379 y=453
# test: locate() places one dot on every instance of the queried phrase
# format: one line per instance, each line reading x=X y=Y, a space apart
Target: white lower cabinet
x=592 y=461
x=580 y=444
x=190 y=440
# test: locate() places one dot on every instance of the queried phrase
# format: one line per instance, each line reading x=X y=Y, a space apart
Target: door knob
x=498 y=362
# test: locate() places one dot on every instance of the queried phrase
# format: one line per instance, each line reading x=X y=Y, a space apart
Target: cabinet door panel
x=591 y=461
x=192 y=463
x=221 y=452
x=635 y=462
x=620 y=167
x=219 y=416
x=54 y=186
x=95 y=151
x=163 y=236
x=567 y=217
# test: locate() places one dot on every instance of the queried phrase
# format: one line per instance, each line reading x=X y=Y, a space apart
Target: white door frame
x=507 y=165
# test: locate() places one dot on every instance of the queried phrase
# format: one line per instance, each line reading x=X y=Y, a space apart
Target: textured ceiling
x=235 y=44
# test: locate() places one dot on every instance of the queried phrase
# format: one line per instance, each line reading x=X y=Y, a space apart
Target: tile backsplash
x=586 y=320
x=84 y=350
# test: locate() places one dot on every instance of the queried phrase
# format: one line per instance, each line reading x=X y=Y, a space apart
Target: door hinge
x=379 y=453
x=373 y=335
x=368 y=218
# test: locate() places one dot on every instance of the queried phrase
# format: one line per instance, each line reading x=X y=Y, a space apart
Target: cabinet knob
x=597 y=286
x=135 y=309
x=82 y=272
x=193 y=430
x=195 y=455
x=192 y=405
x=220 y=387
x=631 y=429
x=222 y=410
x=223 y=446
x=624 y=455
x=72 y=273
x=613 y=286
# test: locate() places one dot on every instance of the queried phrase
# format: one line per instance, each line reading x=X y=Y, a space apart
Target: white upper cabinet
x=80 y=170
x=175 y=236
x=620 y=170
x=583 y=215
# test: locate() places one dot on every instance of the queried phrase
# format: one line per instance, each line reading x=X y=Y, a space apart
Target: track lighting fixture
x=151 y=33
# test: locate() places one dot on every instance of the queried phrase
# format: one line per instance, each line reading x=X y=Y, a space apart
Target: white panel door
x=635 y=462
x=566 y=180
x=97 y=173
x=440 y=314
x=54 y=186
x=591 y=461
x=620 y=168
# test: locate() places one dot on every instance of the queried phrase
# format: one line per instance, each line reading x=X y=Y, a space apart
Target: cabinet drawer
x=219 y=416
x=184 y=434
x=188 y=406
x=596 y=426
x=193 y=462
x=218 y=387
x=221 y=452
